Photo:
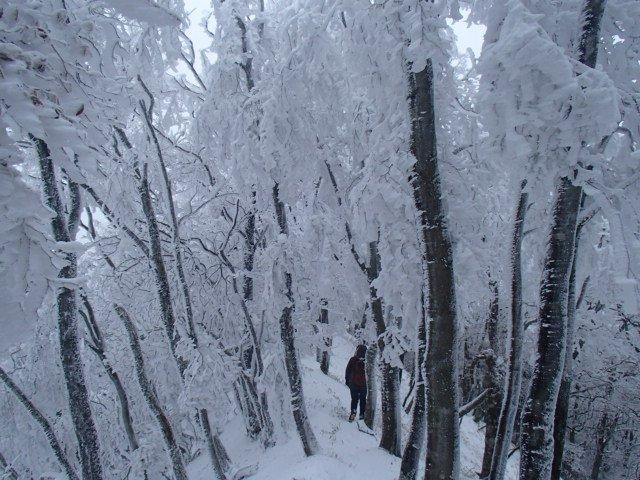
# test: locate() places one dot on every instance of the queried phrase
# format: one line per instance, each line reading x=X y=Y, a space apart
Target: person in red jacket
x=356 y=379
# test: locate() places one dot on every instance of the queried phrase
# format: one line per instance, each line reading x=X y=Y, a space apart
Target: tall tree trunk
x=79 y=404
x=514 y=382
x=411 y=456
x=537 y=423
x=177 y=249
x=562 y=405
x=287 y=335
x=96 y=344
x=155 y=256
x=44 y=424
x=389 y=375
x=492 y=383
x=160 y=272
x=175 y=226
x=442 y=358
x=537 y=420
x=150 y=396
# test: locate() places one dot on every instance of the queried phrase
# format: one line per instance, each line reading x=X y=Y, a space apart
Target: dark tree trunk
x=411 y=456
x=372 y=391
x=603 y=436
x=79 y=404
x=441 y=359
x=252 y=364
x=218 y=468
x=44 y=424
x=326 y=340
x=148 y=391
x=155 y=255
x=96 y=344
x=514 y=376
x=159 y=269
x=175 y=234
x=492 y=383
x=7 y=470
x=562 y=405
x=287 y=335
x=389 y=376
x=537 y=423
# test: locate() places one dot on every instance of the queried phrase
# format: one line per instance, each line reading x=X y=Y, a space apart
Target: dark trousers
x=358 y=394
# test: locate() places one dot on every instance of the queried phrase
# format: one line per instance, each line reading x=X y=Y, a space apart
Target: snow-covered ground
x=346 y=453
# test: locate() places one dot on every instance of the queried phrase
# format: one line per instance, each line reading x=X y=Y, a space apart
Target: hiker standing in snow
x=356 y=379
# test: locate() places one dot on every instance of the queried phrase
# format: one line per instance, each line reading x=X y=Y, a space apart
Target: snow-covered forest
x=206 y=205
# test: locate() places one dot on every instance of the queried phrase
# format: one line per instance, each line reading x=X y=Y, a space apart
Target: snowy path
x=346 y=453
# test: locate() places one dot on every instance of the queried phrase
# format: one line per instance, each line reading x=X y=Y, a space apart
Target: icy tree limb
x=44 y=424
x=466 y=408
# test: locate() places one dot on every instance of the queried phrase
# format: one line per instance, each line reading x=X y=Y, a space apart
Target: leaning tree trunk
x=492 y=384
x=159 y=269
x=98 y=347
x=512 y=393
x=6 y=469
x=44 y=424
x=389 y=375
x=79 y=404
x=298 y=406
x=442 y=358
x=218 y=467
x=149 y=394
x=177 y=252
x=175 y=226
x=411 y=456
x=537 y=422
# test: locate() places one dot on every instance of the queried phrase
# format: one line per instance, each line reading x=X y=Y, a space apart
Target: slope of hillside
x=346 y=453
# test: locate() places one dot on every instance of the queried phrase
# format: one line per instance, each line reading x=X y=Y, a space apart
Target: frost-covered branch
x=44 y=425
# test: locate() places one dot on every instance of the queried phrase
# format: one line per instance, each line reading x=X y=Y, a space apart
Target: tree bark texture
x=79 y=405
x=370 y=363
x=441 y=357
x=58 y=451
x=287 y=335
x=562 y=404
x=151 y=398
x=411 y=455
x=511 y=397
x=537 y=423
